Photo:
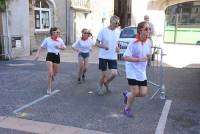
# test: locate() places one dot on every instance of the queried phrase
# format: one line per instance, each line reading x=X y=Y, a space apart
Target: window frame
x=41 y=10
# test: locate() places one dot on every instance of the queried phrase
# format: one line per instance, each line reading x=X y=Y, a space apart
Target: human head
x=146 y=18
x=54 y=30
x=114 y=22
x=84 y=30
x=85 y=33
x=143 y=30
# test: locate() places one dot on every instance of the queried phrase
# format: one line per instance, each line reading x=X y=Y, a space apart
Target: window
x=42 y=16
x=196 y=10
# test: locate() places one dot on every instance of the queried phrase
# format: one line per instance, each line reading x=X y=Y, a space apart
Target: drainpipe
x=8 y=51
x=67 y=38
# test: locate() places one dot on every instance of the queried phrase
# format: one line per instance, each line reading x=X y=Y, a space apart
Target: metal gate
x=155 y=72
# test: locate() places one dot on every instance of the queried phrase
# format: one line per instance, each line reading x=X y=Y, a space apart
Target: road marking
x=35 y=101
x=163 y=118
x=42 y=127
x=21 y=64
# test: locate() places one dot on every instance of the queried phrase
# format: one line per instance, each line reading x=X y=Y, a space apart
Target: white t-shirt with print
x=137 y=70
x=51 y=44
x=84 y=45
x=110 y=38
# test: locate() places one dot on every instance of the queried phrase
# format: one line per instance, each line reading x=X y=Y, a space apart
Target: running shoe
x=107 y=88
x=83 y=77
x=128 y=113
x=79 y=80
x=48 y=91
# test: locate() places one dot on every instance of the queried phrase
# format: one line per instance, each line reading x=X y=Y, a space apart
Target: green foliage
x=2 y=5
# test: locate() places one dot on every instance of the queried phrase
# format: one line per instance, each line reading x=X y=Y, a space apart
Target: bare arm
x=100 y=45
x=135 y=59
x=38 y=53
x=75 y=49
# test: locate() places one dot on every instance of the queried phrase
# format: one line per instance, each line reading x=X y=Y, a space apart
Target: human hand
x=106 y=47
x=57 y=46
x=144 y=59
x=117 y=49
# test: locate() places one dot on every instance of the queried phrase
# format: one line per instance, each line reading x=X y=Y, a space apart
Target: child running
x=53 y=44
x=83 y=46
x=136 y=57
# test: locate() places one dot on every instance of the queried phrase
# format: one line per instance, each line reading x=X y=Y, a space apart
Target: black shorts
x=55 y=58
x=134 y=82
x=104 y=63
x=83 y=55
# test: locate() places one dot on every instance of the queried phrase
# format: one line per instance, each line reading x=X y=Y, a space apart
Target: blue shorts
x=55 y=58
x=104 y=63
x=83 y=55
x=134 y=82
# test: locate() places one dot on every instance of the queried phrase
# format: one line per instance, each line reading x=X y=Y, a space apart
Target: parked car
x=126 y=36
x=198 y=42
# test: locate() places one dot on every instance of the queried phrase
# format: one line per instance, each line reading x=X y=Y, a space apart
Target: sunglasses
x=56 y=32
x=117 y=23
x=147 y=29
x=85 y=33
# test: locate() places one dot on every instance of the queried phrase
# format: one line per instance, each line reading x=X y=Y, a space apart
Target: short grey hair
x=114 y=19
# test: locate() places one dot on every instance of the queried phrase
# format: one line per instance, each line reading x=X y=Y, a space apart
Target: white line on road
x=163 y=118
x=33 y=102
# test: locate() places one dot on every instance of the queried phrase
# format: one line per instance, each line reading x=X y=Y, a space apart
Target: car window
x=129 y=32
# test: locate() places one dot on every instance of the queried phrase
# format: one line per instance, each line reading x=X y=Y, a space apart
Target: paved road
x=73 y=108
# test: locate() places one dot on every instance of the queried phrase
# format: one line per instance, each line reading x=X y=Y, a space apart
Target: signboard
x=18 y=43
x=81 y=4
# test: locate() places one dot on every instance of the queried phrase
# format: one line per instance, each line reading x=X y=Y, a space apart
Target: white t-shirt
x=110 y=38
x=51 y=44
x=137 y=70
x=84 y=45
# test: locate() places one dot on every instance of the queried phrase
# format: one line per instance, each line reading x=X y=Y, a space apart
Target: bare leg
x=85 y=68
x=107 y=80
x=81 y=67
x=143 y=91
x=134 y=92
x=55 y=69
x=102 y=78
x=50 y=74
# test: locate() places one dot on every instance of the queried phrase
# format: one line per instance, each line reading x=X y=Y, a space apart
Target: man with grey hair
x=152 y=31
x=107 y=41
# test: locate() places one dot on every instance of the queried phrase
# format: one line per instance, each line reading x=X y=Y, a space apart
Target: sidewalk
x=178 y=56
x=68 y=55
x=41 y=127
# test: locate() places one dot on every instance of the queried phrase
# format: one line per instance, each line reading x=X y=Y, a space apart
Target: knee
x=114 y=73
x=142 y=94
x=50 y=74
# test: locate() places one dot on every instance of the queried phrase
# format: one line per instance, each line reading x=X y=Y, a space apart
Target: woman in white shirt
x=83 y=46
x=136 y=57
x=53 y=44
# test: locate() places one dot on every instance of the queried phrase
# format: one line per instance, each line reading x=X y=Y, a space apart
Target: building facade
x=25 y=23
